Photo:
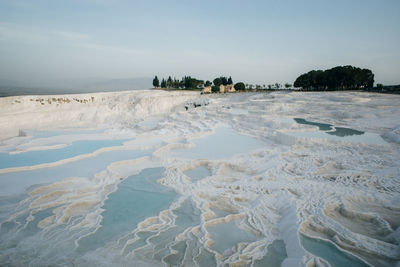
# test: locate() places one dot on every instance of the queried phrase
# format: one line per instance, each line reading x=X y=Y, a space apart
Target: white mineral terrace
x=250 y=179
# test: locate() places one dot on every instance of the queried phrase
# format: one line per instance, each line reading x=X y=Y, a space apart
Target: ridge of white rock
x=109 y=109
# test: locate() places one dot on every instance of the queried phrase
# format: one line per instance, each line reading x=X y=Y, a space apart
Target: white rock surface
x=341 y=191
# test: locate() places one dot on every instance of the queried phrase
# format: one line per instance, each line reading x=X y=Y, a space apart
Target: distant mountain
x=12 y=88
x=120 y=84
x=17 y=90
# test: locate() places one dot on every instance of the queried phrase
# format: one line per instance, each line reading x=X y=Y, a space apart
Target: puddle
x=137 y=197
x=225 y=142
x=276 y=254
x=31 y=158
x=329 y=252
x=227 y=235
x=328 y=131
x=16 y=182
x=198 y=173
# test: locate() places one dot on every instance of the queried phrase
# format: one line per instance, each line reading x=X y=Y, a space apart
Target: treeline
x=337 y=78
x=188 y=82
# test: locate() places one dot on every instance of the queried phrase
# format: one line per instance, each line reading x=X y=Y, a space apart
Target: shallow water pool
x=137 y=197
x=198 y=173
x=276 y=254
x=330 y=253
x=31 y=158
x=331 y=132
x=17 y=182
x=150 y=123
x=226 y=236
x=225 y=142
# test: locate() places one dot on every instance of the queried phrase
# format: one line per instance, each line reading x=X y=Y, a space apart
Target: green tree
x=156 y=82
x=163 y=83
x=224 y=80
x=240 y=86
x=187 y=82
x=208 y=83
x=169 y=82
x=230 y=80
x=175 y=83
x=337 y=78
x=379 y=86
x=217 y=81
x=288 y=85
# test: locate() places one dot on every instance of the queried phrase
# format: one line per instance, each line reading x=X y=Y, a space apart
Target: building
x=206 y=90
x=229 y=88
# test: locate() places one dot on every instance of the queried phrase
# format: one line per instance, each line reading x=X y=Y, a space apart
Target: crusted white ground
x=344 y=192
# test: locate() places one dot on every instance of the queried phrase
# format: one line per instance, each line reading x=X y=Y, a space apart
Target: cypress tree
x=163 y=83
x=156 y=82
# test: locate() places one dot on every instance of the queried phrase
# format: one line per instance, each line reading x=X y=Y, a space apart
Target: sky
x=67 y=43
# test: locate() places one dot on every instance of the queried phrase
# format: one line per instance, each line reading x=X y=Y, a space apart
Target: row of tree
x=187 y=82
x=337 y=78
x=268 y=87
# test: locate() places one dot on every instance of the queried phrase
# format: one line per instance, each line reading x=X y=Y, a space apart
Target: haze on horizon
x=69 y=43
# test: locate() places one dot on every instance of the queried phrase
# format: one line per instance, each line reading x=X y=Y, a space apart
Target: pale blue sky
x=52 y=42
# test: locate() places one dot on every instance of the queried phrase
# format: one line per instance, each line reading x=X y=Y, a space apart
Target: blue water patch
x=331 y=132
x=151 y=123
x=228 y=235
x=31 y=158
x=137 y=197
x=198 y=173
x=46 y=134
x=17 y=182
x=321 y=126
x=342 y=132
x=329 y=252
x=225 y=142
x=276 y=254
